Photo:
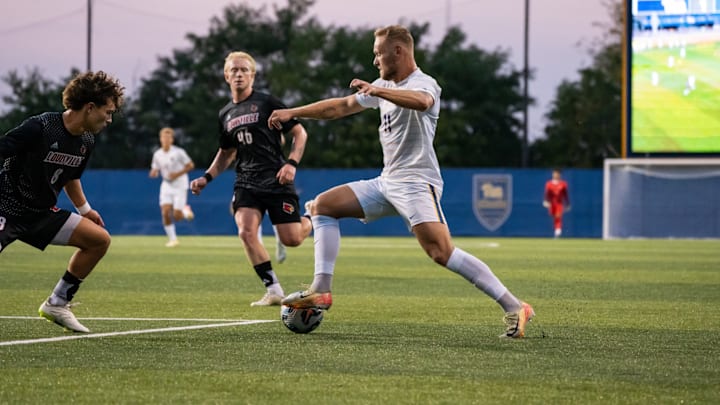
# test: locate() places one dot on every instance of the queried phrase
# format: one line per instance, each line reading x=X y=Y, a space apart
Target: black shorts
x=37 y=230
x=282 y=208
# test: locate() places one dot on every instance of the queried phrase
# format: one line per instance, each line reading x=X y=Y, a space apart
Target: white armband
x=84 y=209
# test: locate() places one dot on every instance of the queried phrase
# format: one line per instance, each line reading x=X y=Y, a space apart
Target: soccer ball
x=301 y=320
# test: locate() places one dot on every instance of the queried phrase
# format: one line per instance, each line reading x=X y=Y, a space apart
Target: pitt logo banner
x=492 y=199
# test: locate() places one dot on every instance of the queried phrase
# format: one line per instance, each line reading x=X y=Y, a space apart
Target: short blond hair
x=396 y=33
x=241 y=55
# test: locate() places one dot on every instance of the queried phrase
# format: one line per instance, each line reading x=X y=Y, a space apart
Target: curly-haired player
x=44 y=155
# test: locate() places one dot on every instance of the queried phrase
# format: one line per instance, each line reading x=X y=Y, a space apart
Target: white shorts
x=416 y=203
x=177 y=197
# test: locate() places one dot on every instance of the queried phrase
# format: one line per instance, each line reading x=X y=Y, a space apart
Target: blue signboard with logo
x=476 y=202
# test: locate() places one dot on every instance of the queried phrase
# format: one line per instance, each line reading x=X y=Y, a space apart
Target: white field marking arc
x=129 y=332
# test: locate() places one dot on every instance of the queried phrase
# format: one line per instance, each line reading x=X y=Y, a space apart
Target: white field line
x=129 y=319
x=129 y=332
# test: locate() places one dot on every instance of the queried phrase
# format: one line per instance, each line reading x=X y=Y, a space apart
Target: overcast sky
x=129 y=35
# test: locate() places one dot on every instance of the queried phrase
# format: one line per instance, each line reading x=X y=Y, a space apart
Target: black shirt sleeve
x=19 y=139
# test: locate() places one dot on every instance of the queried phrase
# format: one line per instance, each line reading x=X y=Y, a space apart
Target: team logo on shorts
x=492 y=199
x=288 y=208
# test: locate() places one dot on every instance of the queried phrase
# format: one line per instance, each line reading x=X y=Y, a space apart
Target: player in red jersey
x=556 y=200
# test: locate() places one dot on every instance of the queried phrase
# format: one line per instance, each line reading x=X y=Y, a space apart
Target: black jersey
x=38 y=158
x=244 y=126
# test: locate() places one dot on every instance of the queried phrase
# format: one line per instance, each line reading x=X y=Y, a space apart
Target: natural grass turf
x=623 y=322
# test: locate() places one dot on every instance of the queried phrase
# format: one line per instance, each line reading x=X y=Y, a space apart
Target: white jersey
x=407 y=135
x=172 y=161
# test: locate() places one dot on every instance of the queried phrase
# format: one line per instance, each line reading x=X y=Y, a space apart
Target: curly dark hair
x=92 y=87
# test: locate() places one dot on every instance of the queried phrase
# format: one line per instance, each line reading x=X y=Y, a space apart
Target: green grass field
x=617 y=322
x=667 y=116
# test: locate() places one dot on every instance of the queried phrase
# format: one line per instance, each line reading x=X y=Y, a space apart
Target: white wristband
x=84 y=209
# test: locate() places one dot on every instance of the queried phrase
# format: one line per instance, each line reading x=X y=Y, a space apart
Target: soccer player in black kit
x=44 y=155
x=264 y=177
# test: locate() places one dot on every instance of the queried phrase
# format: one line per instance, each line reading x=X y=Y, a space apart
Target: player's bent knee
x=438 y=255
x=101 y=242
x=293 y=241
x=96 y=240
x=247 y=237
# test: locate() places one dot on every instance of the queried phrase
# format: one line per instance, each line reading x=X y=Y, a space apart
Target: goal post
x=661 y=198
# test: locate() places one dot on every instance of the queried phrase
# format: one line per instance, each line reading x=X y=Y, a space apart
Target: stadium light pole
x=448 y=5
x=89 y=34
x=525 y=88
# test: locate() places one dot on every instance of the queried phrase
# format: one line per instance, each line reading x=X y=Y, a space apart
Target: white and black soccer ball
x=301 y=320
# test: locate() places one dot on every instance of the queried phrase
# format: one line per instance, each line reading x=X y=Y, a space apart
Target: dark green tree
x=30 y=95
x=481 y=97
x=584 y=123
x=301 y=61
x=320 y=63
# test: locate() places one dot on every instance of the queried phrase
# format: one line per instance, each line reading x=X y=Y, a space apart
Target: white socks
x=276 y=289
x=326 y=232
x=170 y=231
x=479 y=274
x=327 y=247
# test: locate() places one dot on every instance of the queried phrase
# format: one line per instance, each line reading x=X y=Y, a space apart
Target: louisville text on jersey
x=64 y=159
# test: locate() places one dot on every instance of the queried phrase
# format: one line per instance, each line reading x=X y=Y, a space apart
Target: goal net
x=661 y=198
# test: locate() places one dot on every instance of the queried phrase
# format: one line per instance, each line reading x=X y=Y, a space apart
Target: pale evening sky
x=129 y=35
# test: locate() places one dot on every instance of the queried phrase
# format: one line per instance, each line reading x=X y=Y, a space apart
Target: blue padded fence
x=128 y=202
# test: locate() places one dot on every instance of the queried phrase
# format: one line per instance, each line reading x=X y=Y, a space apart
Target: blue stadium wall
x=128 y=202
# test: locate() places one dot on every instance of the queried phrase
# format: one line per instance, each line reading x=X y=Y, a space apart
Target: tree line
x=301 y=60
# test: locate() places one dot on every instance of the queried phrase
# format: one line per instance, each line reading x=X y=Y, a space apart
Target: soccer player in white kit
x=410 y=184
x=173 y=164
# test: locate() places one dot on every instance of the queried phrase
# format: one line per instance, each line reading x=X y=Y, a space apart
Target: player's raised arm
x=413 y=99
x=328 y=109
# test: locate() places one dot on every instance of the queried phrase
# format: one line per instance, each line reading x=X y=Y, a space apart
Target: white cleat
x=61 y=315
x=267 y=300
x=172 y=243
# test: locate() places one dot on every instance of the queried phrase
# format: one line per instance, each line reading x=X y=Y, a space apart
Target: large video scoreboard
x=672 y=102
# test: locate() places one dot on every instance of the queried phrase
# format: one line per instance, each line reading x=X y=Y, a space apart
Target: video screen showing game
x=674 y=91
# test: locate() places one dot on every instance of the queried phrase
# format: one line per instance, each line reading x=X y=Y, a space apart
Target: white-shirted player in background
x=173 y=164
x=410 y=184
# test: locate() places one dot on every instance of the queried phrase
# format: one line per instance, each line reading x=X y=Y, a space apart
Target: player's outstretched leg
x=327 y=246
